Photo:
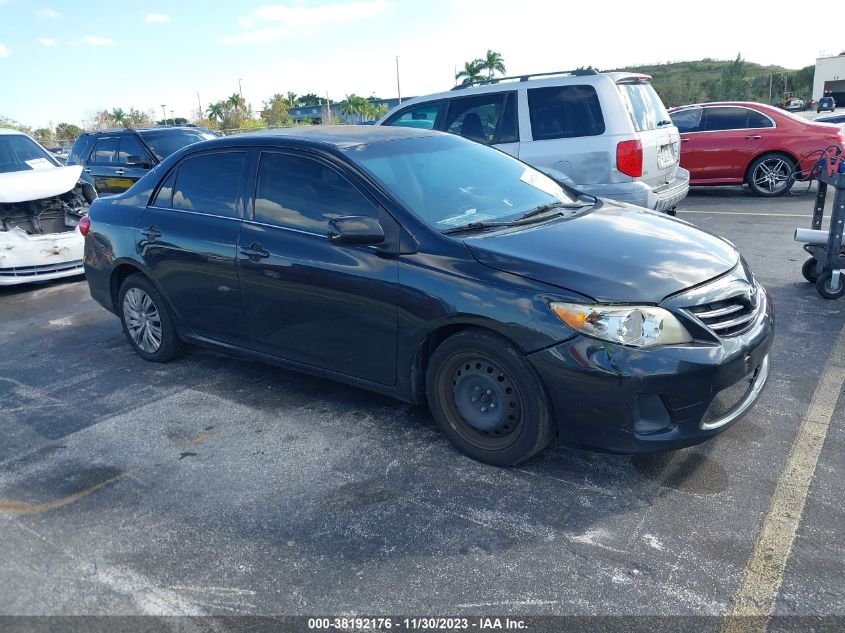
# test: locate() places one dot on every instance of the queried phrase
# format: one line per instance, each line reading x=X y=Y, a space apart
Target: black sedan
x=428 y=267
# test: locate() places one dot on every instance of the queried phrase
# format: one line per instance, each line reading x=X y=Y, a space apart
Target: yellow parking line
x=771 y=215
x=754 y=601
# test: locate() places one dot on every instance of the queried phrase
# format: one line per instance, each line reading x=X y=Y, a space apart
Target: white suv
x=607 y=134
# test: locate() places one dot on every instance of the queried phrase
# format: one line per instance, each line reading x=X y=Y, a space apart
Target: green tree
x=292 y=99
x=734 y=81
x=275 y=112
x=310 y=99
x=119 y=117
x=471 y=73
x=67 y=132
x=492 y=62
x=215 y=111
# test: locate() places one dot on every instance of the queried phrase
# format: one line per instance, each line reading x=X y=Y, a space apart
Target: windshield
x=166 y=142
x=644 y=106
x=21 y=153
x=449 y=182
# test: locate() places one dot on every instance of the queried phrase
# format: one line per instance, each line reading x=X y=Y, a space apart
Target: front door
x=307 y=300
x=729 y=139
x=188 y=240
x=133 y=161
x=102 y=166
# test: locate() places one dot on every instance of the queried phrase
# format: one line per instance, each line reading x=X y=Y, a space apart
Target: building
x=829 y=78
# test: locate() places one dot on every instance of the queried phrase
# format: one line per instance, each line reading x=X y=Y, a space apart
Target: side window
x=756 y=119
x=130 y=146
x=687 y=120
x=210 y=183
x=105 y=151
x=479 y=117
x=565 y=112
x=78 y=151
x=301 y=193
x=420 y=116
x=164 y=197
x=718 y=119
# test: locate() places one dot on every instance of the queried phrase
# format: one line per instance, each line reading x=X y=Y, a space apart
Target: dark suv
x=114 y=159
x=826 y=103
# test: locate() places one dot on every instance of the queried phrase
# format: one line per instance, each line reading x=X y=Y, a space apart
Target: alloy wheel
x=772 y=175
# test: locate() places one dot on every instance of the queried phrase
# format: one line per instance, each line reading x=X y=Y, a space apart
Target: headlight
x=639 y=326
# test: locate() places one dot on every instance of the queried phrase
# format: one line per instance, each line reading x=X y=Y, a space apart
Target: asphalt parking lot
x=214 y=485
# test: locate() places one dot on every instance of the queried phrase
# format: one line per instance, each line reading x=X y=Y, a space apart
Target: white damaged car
x=41 y=203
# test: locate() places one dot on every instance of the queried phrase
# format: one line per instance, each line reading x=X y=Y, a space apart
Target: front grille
x=730 y=316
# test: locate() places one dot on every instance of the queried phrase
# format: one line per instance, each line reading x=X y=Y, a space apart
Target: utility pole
x=163 y=113
x=398 y=89
x=241 y=89
x=199 y=105
x=770 y=88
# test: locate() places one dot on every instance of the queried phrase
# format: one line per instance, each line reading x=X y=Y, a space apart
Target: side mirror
x=355 y=229
x=138 y=161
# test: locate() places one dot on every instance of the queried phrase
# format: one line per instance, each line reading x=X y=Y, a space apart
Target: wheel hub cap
x=142 y=320
x=485 y=397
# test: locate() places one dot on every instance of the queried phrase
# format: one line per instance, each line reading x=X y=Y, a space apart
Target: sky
x=61 y=61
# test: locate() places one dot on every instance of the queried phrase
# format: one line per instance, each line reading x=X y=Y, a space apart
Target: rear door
x=188 y=240
x=334 y=307
x=490 y=118
x=101 y=166
x=729 y=138
x=133 y=160
x=658 y=135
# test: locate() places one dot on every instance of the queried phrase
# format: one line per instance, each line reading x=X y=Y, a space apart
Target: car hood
x=616 y=253
x=35 y=184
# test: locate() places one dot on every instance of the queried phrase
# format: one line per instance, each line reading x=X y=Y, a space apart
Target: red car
x=731 y=143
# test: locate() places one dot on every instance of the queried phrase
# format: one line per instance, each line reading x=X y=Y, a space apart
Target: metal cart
x=825 y=269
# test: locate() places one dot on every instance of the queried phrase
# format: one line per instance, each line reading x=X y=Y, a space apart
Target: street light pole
x=172 y=118
x=163 y=113
x=199 y=105
x=398 y=89
x=241 y=89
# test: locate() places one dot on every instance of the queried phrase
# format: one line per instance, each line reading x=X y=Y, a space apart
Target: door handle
x=88 y=170
x=255 y=252
x=753 y=137
x=151 y=232
x=685 y=140
x=119 y=172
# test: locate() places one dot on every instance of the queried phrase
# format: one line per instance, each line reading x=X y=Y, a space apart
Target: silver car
x=607 y=134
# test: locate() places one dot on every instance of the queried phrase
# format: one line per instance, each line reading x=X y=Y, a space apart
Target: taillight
x=84 y=225
x=629 y=158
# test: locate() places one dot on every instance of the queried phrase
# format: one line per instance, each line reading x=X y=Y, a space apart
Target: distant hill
x=680 y=83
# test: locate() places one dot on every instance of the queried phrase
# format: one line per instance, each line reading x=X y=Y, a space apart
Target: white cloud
x=4 y=50
x=302 y=20
x=48 y=14
x=47 y=41
x=157 y=18
x=95 y=40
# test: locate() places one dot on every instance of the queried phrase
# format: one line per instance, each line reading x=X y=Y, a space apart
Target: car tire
x=823 y=285
x=771 y=175
x=487 y=399
x=146 y=320
x=809 y=270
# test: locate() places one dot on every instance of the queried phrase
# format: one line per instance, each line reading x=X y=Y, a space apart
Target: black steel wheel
x=487 y=399
x=809 y=270
x=824 y=285
x=146 y=320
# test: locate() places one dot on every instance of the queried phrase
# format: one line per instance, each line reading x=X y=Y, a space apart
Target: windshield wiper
x=543 y=208
x=474 y=226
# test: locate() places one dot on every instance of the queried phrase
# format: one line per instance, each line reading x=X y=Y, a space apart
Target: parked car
x=59 y=153
x=836 y=119
x=731 y=143
x=607 y=134
x=826 y=103
x=114 y=159
x=41 y=204
x=427 y=267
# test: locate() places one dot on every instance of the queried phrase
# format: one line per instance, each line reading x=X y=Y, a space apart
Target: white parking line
x=754 y=601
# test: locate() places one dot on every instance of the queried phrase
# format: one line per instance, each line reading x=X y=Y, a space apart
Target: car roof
x=6 y=130
x=339 y=136
x=127 y=130
x=744 y=104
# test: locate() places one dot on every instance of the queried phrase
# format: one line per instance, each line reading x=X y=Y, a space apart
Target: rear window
x=564 y=112
x=165 y=142
x=644 y=106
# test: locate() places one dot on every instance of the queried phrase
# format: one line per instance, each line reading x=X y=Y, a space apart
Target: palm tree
x=236 y=101
x=119 y=116
x=215 y=111
x=492 y=62
x=293 y=100
x=471 y=72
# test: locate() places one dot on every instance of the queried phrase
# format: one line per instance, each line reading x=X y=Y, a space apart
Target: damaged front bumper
x=27 y=258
